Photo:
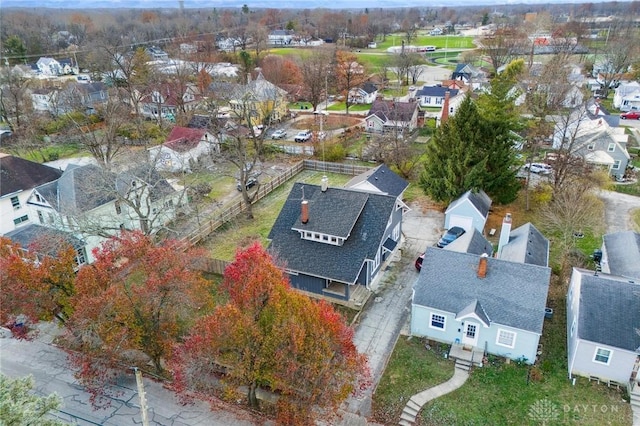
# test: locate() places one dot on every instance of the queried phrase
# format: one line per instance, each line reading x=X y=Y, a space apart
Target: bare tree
x=502 y=47
x=620 y=51
x=14 y=96
x=316 y=73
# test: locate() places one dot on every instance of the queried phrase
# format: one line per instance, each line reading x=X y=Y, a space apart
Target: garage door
x=464 y=222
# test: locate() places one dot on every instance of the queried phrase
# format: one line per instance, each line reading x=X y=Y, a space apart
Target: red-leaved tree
x=38 y=281
x=269 y=336
x=132 y=305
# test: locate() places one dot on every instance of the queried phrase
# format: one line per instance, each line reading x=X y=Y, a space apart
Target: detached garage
x=469 y=211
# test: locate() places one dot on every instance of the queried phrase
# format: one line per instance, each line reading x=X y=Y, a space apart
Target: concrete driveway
x=618 y=209
x=378 y=328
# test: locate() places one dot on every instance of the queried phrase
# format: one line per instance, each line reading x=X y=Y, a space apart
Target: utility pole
x=141 y=395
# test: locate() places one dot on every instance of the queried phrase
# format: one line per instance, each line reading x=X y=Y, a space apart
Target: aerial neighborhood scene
x=331 y=214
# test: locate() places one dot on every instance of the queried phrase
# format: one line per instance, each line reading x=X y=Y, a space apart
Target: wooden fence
x=236 y=206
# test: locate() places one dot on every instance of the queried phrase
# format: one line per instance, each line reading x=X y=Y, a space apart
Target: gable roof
x=390 y=110
x=623 y=253
x=17 y=174
x=471 y=242
x=369 y=87
x=182 y=139
x=382 y=178
x=340 y=263
x=526 y=245
x=608 y=311
x=437 y=91
x=31 y=234
x=480 y=200
x=511 y=294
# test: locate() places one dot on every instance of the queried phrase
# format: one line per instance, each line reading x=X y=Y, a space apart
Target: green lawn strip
x=631 y=189
x=53 y=152
x=635 y=215
x=440 y=42
x=373 y=61
x=340 y=106
x=241 y=231
x=411 y=369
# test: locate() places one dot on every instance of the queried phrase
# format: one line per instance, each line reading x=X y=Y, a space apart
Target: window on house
x=506 y=338
x=591 y=146
x=437 y=321
x=602 y=355
x=81 y=256
x=611 y=147
x=15 y=202
x=40 y=217
x=50 y=218
x=118 y=207
x=616 y=165
x=39 y=199
x=20 y=220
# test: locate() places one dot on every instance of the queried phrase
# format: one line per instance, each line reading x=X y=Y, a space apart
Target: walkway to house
x=417 y=401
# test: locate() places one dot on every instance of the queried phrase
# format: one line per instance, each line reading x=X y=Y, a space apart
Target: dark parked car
x=419 y=262
x=450 y=236
x=251 y=182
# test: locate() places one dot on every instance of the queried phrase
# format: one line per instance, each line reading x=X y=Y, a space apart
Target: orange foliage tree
x=132 y=304
x=350 y=74
x=270 y=336
x=37 y=282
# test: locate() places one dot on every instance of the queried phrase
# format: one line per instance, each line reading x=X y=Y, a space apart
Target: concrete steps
x=634 y=400
x=409 y=413
x=461 y=364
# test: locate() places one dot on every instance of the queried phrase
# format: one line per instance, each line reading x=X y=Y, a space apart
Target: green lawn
x=440 y=42
x=340 y=106
x=52 y=152
x=239 y=232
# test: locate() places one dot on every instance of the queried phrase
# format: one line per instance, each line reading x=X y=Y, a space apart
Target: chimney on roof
x=445 y=108
x=304 y=217
x=504 y=233
x=324 y=183
x=482 y=266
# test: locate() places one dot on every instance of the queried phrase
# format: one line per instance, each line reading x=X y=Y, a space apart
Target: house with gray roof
x=525 y=244
x=621 y=254
x=92 y=204
x=364 y=94
x=433 y=96
x=334 y=242
x=603 y=319
x=389 y=116
x=48 y=241
x=18 y=178
x=380 y=179
x=471 y=242
x=480 y=303
x=468 y=211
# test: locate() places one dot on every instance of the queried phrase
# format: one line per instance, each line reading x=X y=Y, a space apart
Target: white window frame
x=595 y=355
x=616 y=165
x=504 y=333
x=444 y=321
x=591 y=146
x=15 y=202
x=611 y=147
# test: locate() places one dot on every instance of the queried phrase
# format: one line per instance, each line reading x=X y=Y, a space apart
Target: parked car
x=279 y=134
x=631 y=115
x=303 y=136
x=321 y=136
x=251 y=182
x=540 y=168
x=450 y=236
x=418 y=263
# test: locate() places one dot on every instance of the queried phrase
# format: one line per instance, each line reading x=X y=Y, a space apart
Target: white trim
x=513 y=339
x=444 y=321
x=595 y=354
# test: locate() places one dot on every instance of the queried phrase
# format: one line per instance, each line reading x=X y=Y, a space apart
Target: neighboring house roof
x=369 y=88
x=360 y=216
x=623 y=253
x=182 y=139
x=436 y=91
x=608 y=312
x=382 y=178
x=526 y=245
x=480 y=200
x=511 y=294
x=17 y=174
x=27 y=236
x=389 y=110
x=471 y=242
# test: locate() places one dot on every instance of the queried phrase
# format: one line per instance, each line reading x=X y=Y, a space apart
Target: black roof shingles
x=339 y=263
x=17 y=174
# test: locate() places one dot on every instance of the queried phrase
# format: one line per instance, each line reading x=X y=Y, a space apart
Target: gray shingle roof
x=437 y=91
x=623 y=253
x=382 y=178
x=475 y=308
x=46 y=238
x=339 y=263
x=389 y=110
x=526 y=245
x=17 y=174
x=471 y=242
x=511 y=294
x=479 y=199
x=609 y=310
x=346 y=205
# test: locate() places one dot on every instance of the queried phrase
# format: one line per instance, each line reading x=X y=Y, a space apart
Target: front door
x=470 y=334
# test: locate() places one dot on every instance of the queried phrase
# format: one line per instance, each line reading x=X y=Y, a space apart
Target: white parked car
x=279 y=134
x=540 y=168
x=303 y=136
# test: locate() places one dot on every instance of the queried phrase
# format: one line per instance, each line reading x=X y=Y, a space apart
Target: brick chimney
x=304 y=217
x=504 y=233
x=482 y=266
x=445 y=108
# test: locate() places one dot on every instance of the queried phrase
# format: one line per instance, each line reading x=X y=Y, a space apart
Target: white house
x=280 y=37
x=364 y=94
x=183 y=147
x=469 y=211
x=627 y=96
x=433 y=96
x=18 y=178
x=49 y=67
